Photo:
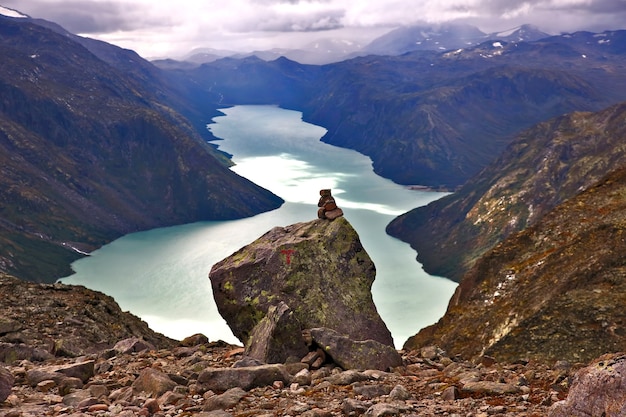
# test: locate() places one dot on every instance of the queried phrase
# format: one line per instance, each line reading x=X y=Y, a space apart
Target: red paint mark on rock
x=287 y=253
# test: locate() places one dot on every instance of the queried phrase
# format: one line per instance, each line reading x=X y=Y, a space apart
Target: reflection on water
x=161 y=275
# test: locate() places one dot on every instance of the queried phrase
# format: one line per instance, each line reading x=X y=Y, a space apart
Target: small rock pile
x=202 y=378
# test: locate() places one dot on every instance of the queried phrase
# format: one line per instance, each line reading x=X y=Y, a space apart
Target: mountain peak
x=523 y=33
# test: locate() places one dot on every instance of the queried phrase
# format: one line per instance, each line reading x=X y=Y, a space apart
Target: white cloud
x=159 y=28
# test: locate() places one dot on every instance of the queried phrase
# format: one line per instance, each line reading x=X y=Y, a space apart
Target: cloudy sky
x=173 y=28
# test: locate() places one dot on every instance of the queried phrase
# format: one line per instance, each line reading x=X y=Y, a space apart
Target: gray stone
x=36 y=375
x=228 y=399
x=8 y=325
x=430 y=352
x=247 y=362
x=399 y=393
x=76 y=397
x=318 y=268
x=132 y=344
x=351 y=406
x=153 y=382
x=277 y=336
x=450 y=394
x=294 y=368
x=351 y=354
x=194 y=340
x=371 y=391
x=347 y=377
x=490 y=388
x=6 y=383
x=302 y=378
x=11 y=352
x=70 y=347
x=382 y=409
x=222 y=379
x=82 y=370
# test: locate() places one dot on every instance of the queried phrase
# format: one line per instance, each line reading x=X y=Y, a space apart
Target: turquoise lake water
x=161 y=275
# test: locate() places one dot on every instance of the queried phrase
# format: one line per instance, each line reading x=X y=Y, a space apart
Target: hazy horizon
x=166 y=29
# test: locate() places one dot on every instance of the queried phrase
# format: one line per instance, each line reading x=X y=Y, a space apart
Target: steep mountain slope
x=543 y=167
x=555 y=291
x=89 y=154
x=430 y=118
x=148 y=80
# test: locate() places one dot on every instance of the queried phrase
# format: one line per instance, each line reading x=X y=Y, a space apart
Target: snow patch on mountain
x=10 y=12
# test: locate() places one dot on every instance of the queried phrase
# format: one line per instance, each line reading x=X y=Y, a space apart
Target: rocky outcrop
x=41 y=321
x=542 y=168
x=554 y=291
x=159 y=377
x=318 y=269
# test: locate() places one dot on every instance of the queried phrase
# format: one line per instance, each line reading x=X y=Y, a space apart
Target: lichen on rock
x=317 y=268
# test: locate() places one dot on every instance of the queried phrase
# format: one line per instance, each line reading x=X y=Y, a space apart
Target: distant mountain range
x=446 y=37
x=425 y=117
x=420 y=37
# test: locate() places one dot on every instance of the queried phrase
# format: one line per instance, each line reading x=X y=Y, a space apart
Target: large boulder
x=351 y=354
x=318 y=268
x=153 y=382
x=597 y=390
x=223 y=379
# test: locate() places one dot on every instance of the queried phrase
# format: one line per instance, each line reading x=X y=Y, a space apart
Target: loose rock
x=351 y=354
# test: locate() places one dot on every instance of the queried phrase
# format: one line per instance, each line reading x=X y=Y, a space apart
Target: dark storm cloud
x=496 y=7
x=294 y=16
x=159 y=26
x=309 y=23
x=79 y=16
x=552 y=16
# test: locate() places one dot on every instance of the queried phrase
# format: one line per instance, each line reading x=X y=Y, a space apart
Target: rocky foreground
x=69 y=351
x=201 y=378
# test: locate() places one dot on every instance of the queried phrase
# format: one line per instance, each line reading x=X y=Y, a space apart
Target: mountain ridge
x=553 y=291
x=544 y=166
x=429 y=118
x=446 y=37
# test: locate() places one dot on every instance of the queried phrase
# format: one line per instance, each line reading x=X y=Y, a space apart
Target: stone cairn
x=327 y=206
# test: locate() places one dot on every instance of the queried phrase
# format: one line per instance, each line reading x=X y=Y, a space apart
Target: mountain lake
x=161 y=275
